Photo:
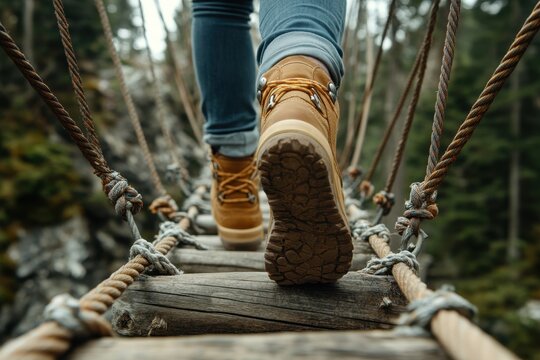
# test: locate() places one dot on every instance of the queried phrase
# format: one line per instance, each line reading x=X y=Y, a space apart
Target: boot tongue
x=233 y=165
x=300 y=67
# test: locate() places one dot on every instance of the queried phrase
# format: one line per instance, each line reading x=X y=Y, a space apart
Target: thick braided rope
x=442 y=90
x=383 y=266
x=74 y=73
x=366 y=95
x=458 y=335
x=51 y=340
x=486 y=98
x=398 y=156
x=92 y=155
x=132 y=112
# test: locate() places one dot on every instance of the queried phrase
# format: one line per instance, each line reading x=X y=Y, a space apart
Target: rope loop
x=363 y=232
x=366 y=188
x=385 y=200
x=422 y=311
x=160 y=263
x=124 y=197
x=172 y=229
x=417 y=208
x=165 y=207
x=83 y=324
x=383 y=266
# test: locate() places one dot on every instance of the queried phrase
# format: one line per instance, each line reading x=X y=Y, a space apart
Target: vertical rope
x=414 y=101
x=133 y=116
x=442 y=90
x=367 y=93
x=484 y=101
x=157 y=93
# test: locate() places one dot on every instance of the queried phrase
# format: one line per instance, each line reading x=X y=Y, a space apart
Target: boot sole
x=241 y=239
x=309 y=240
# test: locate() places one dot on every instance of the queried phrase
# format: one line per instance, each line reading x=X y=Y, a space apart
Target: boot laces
x=240 y=182
x=276 y=89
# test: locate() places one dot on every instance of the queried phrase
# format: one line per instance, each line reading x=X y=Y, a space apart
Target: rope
x=160 y=106
x=171 y=229
x=179 y=81
x=422 y=311
x=442 y=89
x=124 y=196
x=65 y=310
x=484 y=101
x=132 y=112
x=415 y=97
x=368 y=91
x=52 y=339
x=74 y=73
x=461 y=338
x=395 y=116
x=421 y=204
x=383 y=266
x=160 y=263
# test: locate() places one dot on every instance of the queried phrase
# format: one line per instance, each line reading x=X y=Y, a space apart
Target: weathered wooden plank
x=378 y=345
x=250 y=302
x=212 y=261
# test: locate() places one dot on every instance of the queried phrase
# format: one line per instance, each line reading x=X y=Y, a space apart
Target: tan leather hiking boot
x=309 y=239
x=235 y=202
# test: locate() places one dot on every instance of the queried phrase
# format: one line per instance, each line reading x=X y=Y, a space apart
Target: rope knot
x=363 y=232
x=366 y=188
x=159 y=262
x=66 y=311
x=124 y=197
x=165 y=206
x=417 y=208
x=422 y=311
x=383 y=266
x=172 y=229
x=385 y=200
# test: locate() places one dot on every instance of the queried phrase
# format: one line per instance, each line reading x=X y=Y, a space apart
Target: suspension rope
x=421 y=204
x=366 y=96
x=126 y=199
x=160 y=106
x=366 y=99
x=132 y=112
x=484 y=101
x=415 y=97
x=179 y=81
x=442 y=89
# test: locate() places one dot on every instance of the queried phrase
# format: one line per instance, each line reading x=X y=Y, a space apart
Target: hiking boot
x=309 y=237
x=235 y=202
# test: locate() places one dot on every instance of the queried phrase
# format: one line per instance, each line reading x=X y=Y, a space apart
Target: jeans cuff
x=238 y=144
x=303 y=43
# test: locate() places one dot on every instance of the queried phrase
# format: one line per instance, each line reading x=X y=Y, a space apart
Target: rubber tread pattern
x=309 y=241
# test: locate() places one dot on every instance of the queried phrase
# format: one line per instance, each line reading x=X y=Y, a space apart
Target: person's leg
x=225 y=68
x=302 y=27
x=301 y=68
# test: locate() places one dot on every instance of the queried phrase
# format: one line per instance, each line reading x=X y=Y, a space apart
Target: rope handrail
x=132 y=112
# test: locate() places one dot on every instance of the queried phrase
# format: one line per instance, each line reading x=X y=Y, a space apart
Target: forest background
x=485 y=241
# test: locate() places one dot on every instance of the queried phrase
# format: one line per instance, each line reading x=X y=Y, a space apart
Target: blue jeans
x=225 y=61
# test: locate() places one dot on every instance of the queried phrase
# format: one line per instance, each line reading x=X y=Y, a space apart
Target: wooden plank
x=250 y=302
x=379 y=345
x=213 y=261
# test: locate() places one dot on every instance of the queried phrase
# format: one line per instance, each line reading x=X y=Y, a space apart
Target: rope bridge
x=443 y=313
